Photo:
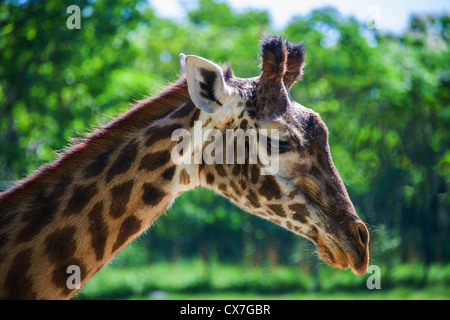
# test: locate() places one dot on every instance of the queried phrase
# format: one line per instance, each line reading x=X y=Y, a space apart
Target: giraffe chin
x=333 y=255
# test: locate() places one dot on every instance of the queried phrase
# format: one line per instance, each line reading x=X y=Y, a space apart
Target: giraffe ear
x=274 y=56
x=295 y=63
x=206 y=84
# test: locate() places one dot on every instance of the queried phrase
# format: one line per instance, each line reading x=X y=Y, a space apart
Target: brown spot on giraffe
x=41 y=211
x=269 y=188
x=244 y=124
x=255 y=172
x=61 y=245
x=98 y=165
x=300 y=212
x=123 y=161
x=120 y=196
x=253 y=198
x=98 y=229
x=220 y=170
x=168 y=173
x=129 y=227
x=236 y=170
x=235 y=188
x=277 y=209
x=18 y=283
x=158 y=134
x=289 y=225
x=184 y=177
x=81 y=195
x=153 y=161
x=210 y=178
x=152 y=195
x=39 y=215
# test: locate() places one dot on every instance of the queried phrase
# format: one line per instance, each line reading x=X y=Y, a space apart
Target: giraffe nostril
x=363 y=234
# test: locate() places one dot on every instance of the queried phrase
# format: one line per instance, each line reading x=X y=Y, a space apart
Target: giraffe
x=109 y=186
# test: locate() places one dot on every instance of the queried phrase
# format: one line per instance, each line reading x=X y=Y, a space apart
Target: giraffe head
x=304 y=193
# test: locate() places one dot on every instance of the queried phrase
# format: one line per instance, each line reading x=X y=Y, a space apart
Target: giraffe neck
x=81 y=210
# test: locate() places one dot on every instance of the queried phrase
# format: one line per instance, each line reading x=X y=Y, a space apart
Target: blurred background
x=378 y=72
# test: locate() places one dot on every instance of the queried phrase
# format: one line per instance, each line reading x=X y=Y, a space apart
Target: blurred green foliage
x=188 y=279
x=384 y=98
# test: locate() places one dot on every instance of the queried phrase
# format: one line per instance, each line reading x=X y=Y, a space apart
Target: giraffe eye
x=284 y=146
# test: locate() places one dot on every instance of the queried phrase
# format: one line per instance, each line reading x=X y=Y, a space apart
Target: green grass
x=194 y=280
x=439 y=293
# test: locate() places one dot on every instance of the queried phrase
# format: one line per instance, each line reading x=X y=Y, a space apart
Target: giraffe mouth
x=333 y=254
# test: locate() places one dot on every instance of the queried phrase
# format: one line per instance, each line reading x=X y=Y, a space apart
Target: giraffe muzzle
x=349 y=251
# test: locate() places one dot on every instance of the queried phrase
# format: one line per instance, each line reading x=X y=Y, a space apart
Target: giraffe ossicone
x=101 y=193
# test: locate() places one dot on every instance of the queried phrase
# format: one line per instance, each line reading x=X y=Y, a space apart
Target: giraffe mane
x=141 y=114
